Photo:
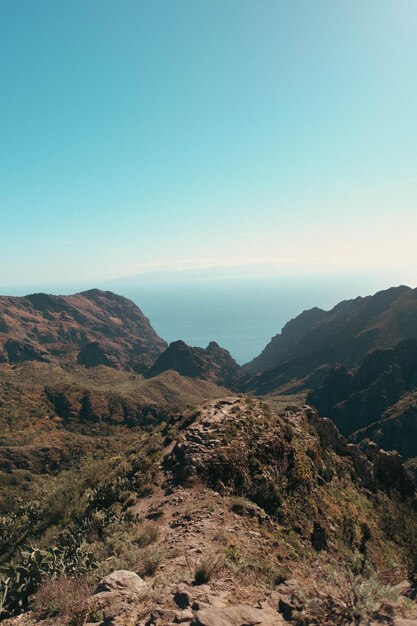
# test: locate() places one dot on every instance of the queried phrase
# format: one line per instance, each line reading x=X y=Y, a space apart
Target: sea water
x=240 y=314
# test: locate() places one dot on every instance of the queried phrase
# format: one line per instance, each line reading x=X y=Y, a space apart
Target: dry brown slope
x=93 y=327
x=254 y=517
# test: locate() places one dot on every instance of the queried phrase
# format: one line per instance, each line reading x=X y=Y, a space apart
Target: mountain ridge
x=90 y=328
x=375 y=401
x=345 y=334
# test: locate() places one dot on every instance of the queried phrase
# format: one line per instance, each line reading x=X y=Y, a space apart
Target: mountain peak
x=212 y=363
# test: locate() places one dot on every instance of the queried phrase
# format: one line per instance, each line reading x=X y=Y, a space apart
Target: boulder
x=122 y=581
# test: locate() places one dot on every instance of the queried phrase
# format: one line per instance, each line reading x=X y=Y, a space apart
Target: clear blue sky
x=188 y=133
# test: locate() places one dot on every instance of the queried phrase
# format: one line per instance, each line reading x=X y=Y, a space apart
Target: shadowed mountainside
x=89 y=328
x=308 y=347
x=212 y=363
x=376 y=401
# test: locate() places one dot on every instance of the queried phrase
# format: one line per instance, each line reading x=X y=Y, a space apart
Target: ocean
x=240 y=314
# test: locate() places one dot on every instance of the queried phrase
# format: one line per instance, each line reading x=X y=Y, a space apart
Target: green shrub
x=232 y=553
x=148 y=533
x=18 y=581
x=149 y=561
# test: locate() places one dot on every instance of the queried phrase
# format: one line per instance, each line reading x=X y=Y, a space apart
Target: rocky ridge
x=90 y=328
x=309 y=346
x=247 y=510
x=376 y=401
x=212 y=363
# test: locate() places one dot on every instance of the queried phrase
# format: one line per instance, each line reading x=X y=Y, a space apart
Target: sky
x=184 y=134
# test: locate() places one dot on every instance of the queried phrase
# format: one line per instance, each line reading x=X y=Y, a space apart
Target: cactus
x=4 y=588
x=19 y=581
x=108 y=492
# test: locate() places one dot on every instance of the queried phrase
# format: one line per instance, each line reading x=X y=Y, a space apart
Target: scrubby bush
x=205 y=570
x=336 y=596
x=149 y=561
x=63 y=597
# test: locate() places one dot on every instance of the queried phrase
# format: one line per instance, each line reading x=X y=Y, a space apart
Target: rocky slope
x=378 y=400
x=90 y=328
x=231 y=515
x=50 y=416
x=212 y=363
x=308 y=347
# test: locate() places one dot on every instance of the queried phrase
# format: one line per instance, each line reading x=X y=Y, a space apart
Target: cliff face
x=90 y=328
x=309 y=346
x=212 y=363
x=376 y=401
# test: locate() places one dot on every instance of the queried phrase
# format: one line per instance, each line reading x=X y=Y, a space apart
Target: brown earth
x=248 y=512
x=90 y=328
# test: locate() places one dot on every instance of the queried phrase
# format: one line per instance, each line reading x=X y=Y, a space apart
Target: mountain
x=310 y=345
x=377 y=400
x=89 y=328
x=396 y=430
x=138 y=492
x=212 y=363
x=223 y=514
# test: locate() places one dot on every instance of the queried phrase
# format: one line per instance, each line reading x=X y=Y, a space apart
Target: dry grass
x=64 y=598
x=206 y=569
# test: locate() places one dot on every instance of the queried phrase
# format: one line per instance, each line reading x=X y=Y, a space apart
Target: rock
x=216 y=601
x=183 y=616
x=182 y=597
x=389 y=470
x=286 y=597
x=286 y=608
x=118 y=608
x=122 y=581
x=239 y=615
x=211 y=363
x=162 y=616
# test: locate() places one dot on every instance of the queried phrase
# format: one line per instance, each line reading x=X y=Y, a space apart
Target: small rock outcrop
x=239 y=615
x=212 y=363
x=118 y=598
x=122 y=581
